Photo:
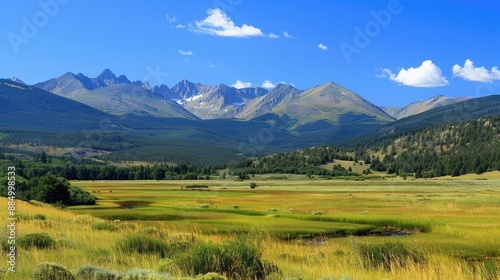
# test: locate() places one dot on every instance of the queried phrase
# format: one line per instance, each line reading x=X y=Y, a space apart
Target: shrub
x=40 y=217
x=143 y=245
x=90 y=272
x=204 y=206
x=104 y=226
x=103 y=274
x=236 y=259
x=253 y=185
x=389 y=254
x=78 y=196
x=37 y=240
x=211 y=276
x=196 y=187
x=144 y=274
x=50 y=271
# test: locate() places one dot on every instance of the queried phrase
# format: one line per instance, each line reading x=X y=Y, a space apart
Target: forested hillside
x=446 y=149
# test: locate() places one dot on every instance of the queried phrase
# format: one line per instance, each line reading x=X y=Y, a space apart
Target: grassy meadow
x=307 y=228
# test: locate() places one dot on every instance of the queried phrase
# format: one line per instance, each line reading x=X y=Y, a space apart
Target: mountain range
x=208 y=121
x=327 y=102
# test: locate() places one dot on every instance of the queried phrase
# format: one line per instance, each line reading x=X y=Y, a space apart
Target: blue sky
x=391 y=52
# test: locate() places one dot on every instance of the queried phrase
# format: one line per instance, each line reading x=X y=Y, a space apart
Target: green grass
x=347 y=208
x=454 y=226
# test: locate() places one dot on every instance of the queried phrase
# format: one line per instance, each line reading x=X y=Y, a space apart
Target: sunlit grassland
x=309 y=228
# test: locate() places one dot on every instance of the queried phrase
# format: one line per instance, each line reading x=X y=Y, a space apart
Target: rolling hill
x=27 y=107
x=467 y=110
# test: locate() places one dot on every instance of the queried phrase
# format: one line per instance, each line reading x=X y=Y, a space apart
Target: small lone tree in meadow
x=253 y=185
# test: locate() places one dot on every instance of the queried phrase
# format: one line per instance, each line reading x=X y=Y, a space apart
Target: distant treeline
x=306 y=162
x=446 y=149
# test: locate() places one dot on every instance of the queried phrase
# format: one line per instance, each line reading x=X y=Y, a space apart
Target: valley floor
x=310 y=229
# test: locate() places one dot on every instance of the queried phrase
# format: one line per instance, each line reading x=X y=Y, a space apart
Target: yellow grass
x=464 y=216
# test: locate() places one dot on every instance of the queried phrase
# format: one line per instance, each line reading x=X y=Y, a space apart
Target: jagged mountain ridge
x=222 y=101
x=115 y=95
x=279 y=95
x=212 y=102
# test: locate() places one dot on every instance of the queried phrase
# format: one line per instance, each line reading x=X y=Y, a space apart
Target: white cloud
x=239 y=84
x=180 y=26
x=287 y=35
x=426 y=75
x=477 y=74
x=268 y=84
x=185 y=52
x=171 y=20
x=274 y=36
x=323 y=47
x=219 y=24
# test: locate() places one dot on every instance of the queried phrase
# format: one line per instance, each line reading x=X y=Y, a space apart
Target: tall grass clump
x=104 y=226
x=389 y=255
x=236 y=259
x=37 y=240
x=142 y=244
x=51 y=271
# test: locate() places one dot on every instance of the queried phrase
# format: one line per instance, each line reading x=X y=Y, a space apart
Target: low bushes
x=196 y=187
x=51 y=271
x=37 y=240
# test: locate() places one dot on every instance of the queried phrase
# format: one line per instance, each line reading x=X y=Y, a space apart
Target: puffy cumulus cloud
x=477 y=74
x=323 y=47
x=268 y=84
x=239 y=84
x=427 y=74
x=219 y=24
